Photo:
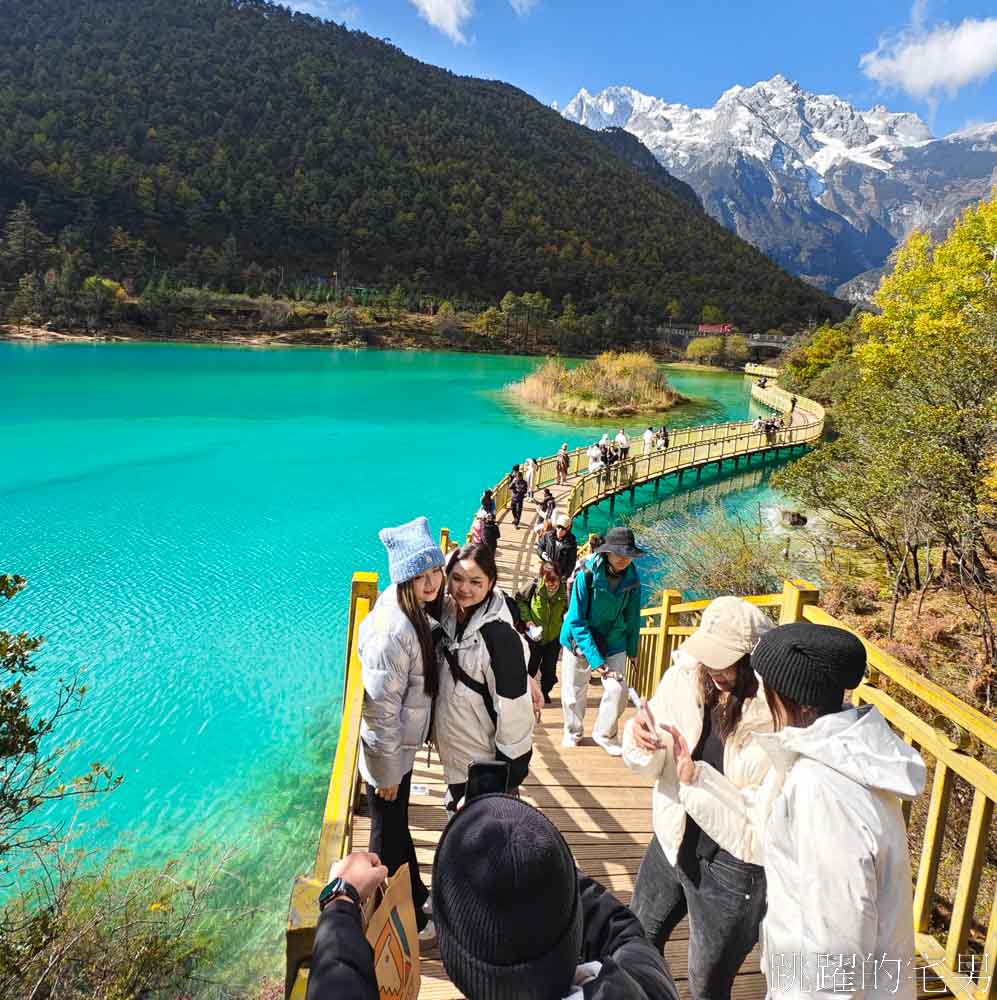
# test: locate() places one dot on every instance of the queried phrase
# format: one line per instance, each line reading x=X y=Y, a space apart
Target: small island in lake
x=610 y=385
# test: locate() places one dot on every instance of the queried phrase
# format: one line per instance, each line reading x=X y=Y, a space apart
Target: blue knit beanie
x=411 y=550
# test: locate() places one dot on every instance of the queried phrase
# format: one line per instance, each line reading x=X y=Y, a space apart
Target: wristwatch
x=336 y=888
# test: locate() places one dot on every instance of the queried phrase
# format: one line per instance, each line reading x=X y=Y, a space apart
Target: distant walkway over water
x=604 y=811
x=690 y=451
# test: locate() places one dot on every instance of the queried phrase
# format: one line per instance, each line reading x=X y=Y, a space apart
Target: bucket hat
x=621 y=542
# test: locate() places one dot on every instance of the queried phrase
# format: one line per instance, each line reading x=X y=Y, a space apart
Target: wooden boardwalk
x=602 y=809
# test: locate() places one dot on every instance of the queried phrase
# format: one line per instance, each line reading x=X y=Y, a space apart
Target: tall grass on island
x=610 y=385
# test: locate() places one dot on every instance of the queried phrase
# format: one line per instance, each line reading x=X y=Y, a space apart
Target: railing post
x=931 y=849
x=973 y=856
x=445 y=540
x=796 y=595
x=364 y=586
x=662 y=648
x=343 y=785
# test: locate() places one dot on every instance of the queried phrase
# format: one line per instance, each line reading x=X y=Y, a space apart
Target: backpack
x=590 y=580
x=600 y=640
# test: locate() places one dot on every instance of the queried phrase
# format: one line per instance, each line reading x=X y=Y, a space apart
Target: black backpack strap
x=590 y=583
x=461 y=676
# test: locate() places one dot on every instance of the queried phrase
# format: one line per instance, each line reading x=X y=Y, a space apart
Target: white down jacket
x=828 y=828
x=490 y=652
x=396 y=708
x=679 y=702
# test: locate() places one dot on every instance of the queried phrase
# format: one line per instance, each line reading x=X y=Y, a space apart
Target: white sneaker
x=428 y=933
x=427 y=907
x=612 y=747
x=569 y=741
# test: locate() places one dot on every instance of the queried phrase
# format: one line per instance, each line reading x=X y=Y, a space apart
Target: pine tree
x=26 y=249
x=25 y=301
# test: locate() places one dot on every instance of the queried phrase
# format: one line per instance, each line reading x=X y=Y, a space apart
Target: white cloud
x=927 y=62
x=523 y=7
x=447 y=15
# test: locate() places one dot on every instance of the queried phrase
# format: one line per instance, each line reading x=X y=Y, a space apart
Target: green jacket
x=546 y=609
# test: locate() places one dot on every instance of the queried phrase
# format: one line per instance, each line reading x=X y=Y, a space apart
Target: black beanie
x=810 y=664
x=505 y=903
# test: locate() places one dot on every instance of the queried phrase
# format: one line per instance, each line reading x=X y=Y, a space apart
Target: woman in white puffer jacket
x=712 y=696
x=400 y=679
x=485 y=706
x=826 y=824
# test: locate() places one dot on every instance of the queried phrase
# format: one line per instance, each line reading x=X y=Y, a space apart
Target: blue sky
x=937 y=57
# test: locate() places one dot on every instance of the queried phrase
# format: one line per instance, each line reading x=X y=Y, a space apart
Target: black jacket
x=490 y=535
x=342 y=960
x=632 y=968
x=561 y=551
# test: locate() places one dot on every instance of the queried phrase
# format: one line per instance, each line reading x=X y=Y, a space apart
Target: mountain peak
x=780 y=82
x=810 y=178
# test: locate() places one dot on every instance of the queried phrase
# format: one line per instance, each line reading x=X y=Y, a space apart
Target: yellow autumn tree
x=917 y=431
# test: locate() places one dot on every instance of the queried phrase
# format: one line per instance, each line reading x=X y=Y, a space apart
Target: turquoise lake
x=189 y=518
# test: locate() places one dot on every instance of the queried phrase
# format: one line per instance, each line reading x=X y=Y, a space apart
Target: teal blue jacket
x=613 y=615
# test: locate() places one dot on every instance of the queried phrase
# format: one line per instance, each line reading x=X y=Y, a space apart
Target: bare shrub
x=712 y=554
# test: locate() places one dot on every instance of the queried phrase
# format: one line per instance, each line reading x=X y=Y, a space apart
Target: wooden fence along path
x=604 y=811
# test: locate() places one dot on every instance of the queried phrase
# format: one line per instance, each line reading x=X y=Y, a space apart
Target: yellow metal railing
x=337 y=821
x=729 y=441
x=958 y=741
x=762 y=371
x=947 y=731
x=688 y=447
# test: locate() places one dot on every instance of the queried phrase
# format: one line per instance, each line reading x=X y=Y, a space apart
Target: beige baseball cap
x=562 y=521
x=729 y=629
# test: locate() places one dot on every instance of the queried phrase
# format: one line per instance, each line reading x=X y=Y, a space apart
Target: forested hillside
x=222 y=140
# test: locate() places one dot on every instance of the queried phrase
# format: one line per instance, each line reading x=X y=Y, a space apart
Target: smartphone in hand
x=488 y=777
x=642 y=705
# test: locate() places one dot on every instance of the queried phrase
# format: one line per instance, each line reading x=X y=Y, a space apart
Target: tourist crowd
x=768 y=426
x=776 y=807
x=606 y=452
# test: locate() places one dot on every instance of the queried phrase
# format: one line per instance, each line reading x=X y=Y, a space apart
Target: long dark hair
x=727 y=714
x=481 y=555
x=786 y=712
x=418 y=615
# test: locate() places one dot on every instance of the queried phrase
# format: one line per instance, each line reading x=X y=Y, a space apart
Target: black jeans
x=543 y=657
x=391 y=841
x=725 y=911
x=517 y=509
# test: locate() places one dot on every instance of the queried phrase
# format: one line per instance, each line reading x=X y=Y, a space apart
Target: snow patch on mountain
x=823 y=187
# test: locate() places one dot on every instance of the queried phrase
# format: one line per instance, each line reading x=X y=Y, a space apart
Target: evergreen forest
x=239 y=146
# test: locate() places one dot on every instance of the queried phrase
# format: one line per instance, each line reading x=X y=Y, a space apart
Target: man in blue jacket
x=600 y=634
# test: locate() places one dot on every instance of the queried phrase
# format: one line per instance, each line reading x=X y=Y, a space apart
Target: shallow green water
x=189 y=519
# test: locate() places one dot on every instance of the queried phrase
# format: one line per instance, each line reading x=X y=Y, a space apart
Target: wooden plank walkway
x=603 y=810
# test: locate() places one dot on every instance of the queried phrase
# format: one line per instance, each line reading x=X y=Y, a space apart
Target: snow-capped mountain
x=825 y=189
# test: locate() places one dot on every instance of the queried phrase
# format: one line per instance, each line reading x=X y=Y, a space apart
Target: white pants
x=575 y=675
